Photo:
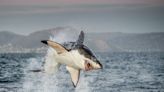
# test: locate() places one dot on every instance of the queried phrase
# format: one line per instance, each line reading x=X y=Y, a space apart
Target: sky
x=130 y=16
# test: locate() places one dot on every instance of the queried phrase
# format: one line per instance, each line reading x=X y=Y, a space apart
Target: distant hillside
x=7 y=37
x=100 y=42
x=128 y=42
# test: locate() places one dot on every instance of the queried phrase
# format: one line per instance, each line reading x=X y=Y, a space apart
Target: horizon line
x=79 y=31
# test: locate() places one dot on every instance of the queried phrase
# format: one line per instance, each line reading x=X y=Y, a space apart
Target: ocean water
x=122 y=72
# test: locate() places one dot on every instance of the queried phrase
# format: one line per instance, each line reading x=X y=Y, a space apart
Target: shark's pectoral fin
x=75 y=73
x=58 y=47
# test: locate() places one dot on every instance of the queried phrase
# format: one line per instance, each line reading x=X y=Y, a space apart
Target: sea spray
x=83 y=85
x=31 y=79
x=50 y=65
x=38 y=82
x=66 y=35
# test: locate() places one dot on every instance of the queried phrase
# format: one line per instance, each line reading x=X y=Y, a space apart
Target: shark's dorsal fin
x=75 y=73
x=80 y=40
x=58 y=47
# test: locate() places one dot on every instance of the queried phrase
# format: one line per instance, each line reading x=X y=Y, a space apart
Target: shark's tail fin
x=80 y=40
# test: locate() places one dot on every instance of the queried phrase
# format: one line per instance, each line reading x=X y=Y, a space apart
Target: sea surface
x=122 y=72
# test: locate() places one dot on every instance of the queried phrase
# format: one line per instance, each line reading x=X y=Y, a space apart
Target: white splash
x=83 y=85
x=38 y=82
x=64 y=36
x=50 y=65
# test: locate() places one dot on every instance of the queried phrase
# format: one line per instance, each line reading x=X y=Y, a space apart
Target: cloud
x=34 y=9
x=52 y=9
x=70 y=2
x=8 y=7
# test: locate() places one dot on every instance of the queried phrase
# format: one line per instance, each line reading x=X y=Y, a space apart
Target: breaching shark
x=75 y=55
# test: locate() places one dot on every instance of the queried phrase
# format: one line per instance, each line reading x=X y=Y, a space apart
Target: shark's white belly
x=54 y=60
x=72 y=59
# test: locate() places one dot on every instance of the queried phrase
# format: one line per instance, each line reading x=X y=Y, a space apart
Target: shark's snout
x=44 y=41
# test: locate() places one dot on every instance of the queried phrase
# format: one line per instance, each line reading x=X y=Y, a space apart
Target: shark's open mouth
x=88 y=66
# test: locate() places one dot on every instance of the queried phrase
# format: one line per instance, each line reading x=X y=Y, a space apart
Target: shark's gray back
x=78 y=45
x=83 y=49
x=73 y=45
x=69 y=45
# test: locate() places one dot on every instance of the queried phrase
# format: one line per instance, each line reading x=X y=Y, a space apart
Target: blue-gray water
x=122 y=72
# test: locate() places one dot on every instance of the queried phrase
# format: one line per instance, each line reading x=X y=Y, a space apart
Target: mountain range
x=99 y=42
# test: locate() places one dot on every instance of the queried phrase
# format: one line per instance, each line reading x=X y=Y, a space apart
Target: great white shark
x=75 y=55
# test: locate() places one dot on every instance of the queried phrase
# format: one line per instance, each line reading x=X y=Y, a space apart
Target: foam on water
x=83 y=85
x=38 y=82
